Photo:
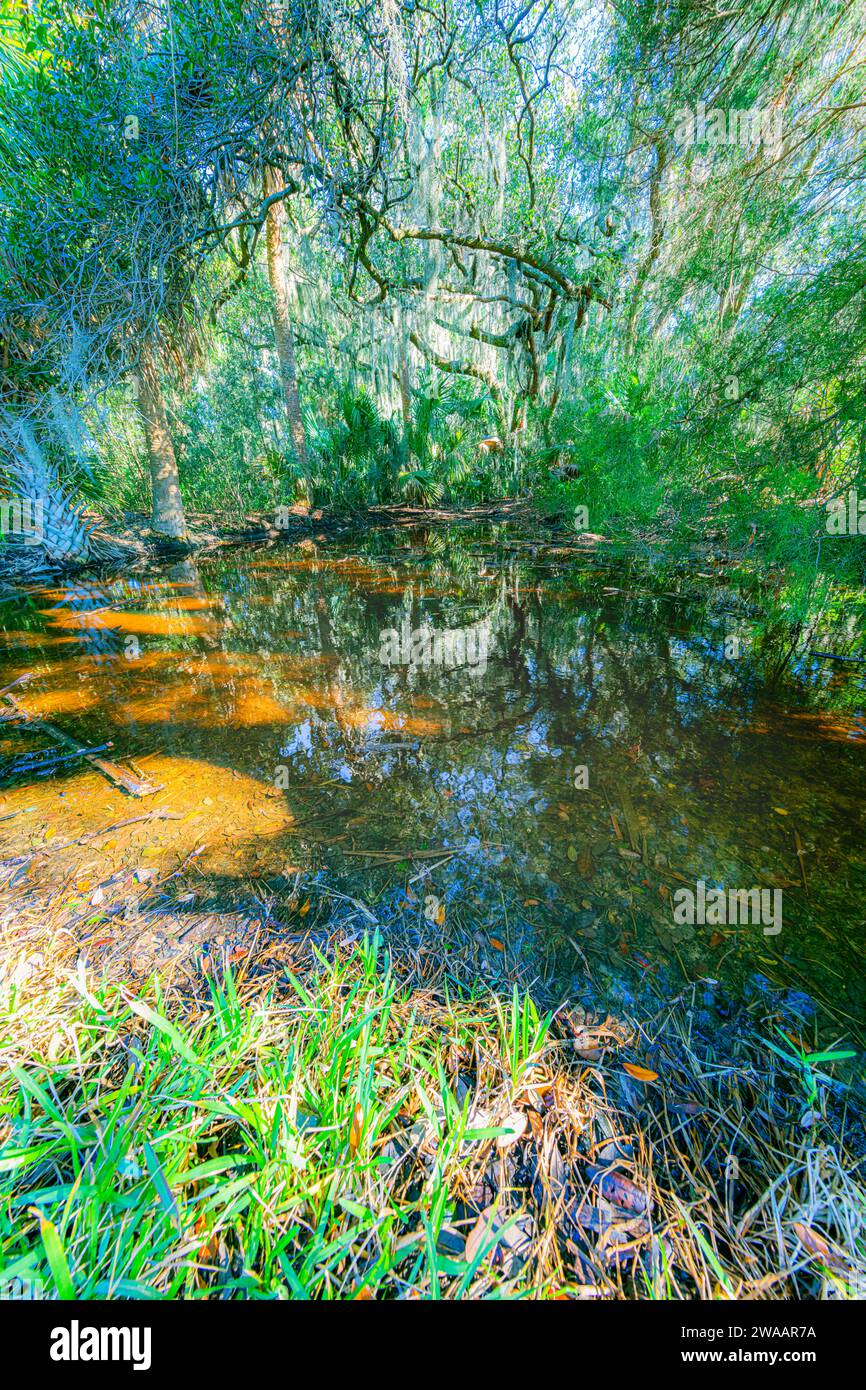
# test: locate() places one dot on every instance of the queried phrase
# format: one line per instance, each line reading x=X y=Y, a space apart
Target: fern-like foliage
x=62 y=535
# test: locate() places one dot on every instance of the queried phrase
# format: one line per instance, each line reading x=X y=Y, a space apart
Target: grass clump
x=336 y=1132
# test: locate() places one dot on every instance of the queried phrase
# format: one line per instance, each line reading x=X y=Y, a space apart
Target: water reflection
x=542 y=744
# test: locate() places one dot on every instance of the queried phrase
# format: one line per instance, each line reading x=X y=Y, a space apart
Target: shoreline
x=296 y=1093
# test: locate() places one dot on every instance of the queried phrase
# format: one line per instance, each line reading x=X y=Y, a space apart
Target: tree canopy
x=547 y=232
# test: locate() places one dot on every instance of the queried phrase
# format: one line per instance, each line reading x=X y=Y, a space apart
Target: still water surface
x=539 y=746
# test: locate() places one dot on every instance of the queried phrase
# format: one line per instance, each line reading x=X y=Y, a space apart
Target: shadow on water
x=531 y=750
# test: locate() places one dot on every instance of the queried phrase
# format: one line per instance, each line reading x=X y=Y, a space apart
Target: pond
x=570 y=758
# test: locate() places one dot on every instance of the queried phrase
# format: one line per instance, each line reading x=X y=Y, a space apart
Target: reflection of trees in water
x=93 y=634
x=613 y=662
x=630 y=682
x=634 y=680
x=634 y=685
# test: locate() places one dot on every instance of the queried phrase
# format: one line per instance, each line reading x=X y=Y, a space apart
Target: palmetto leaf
x=62 y=535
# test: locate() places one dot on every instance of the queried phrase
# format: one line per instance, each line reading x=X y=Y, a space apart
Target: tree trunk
x=167 y=505
x=655 y=246
x=405 y=383
x=285 y=338
x=405 y=395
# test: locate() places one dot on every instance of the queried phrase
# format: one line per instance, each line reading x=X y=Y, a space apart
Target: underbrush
x=334 y=1131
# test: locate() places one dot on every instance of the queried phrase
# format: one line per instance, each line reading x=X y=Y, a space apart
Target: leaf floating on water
x=497 y=944
x=640 y=1073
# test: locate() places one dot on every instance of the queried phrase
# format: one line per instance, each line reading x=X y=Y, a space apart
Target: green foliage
x=668 y=330
x=806 y=1064
x=360 y=453
x=261 y=1127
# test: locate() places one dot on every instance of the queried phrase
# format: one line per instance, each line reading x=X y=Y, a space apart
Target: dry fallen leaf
x=515 y=1124
x=355 y=1131
x=640 y=1073
x=486 y=1225
x=620 y=1190
x=815 y=1244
